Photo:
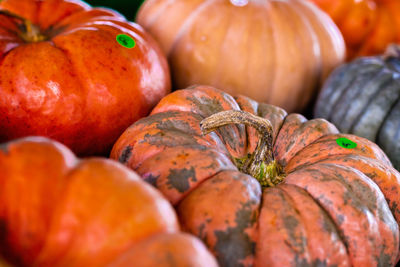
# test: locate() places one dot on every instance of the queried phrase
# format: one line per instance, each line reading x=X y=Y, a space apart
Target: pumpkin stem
x=30 y=32
x=392 y=51
x=261 y=164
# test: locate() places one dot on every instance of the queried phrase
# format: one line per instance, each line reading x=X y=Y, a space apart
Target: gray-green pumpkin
x=363 y=98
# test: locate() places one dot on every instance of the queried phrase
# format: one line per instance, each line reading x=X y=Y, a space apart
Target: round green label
x=126 y=41
x=346 y=143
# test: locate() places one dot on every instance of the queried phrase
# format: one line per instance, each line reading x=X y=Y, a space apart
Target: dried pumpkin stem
x=261 y=163
x=392 y=51
x=30 y=32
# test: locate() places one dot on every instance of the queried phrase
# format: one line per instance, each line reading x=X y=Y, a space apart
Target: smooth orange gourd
x=58 y=210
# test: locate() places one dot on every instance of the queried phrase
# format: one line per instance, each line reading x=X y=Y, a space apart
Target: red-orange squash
x=368 y=26
x=57 y=210
x=271 y=50
x=64 y=75
x=302 y=195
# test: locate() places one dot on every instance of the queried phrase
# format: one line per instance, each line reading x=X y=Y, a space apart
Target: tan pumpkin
x=273 y=51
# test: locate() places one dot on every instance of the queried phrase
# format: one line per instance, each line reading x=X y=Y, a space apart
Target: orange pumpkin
x=273 y=51
x=64 y=75
x=368 y=26
x=292 y=193
x=57 y=210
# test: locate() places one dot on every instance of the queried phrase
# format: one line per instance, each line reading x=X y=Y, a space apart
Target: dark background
x=128 y=8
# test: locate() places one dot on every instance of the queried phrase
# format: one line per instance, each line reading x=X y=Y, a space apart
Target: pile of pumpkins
x=178 y=140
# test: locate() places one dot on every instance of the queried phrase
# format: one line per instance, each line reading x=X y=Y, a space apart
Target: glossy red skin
x=80 y=87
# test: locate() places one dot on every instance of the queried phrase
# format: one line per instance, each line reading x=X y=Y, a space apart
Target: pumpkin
x=368 y=26
x=64 y=75
x=273 y=51
x=264 y=188
x=57 y=210
x=363 y=98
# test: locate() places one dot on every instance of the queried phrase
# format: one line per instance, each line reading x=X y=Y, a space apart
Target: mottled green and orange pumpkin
x=265 y=188
x=57 y=210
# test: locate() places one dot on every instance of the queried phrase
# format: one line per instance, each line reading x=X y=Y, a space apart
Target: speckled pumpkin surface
x=363 y=98
x=331 y=205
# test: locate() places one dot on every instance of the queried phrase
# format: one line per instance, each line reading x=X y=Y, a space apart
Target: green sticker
x=346 y=143
x=126 y=41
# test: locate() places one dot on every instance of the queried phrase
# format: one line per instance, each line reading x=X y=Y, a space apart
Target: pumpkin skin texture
x=273 y=51
x=72 y=85
x=57 y=210
x=335 y=206
x=363 y=98
x=368 y=26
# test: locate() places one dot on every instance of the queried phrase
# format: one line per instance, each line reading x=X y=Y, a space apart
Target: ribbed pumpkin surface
x=273 y=51
x=335 y=207
x=57 y=210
